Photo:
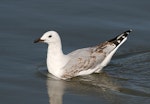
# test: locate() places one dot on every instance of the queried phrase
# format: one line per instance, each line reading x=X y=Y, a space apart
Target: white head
x=49 y=37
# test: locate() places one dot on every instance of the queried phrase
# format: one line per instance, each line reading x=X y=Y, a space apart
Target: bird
x=82 y=61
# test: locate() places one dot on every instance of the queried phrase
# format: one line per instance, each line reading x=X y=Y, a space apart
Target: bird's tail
x=120 y=38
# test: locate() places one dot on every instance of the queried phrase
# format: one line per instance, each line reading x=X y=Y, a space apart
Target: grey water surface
x=81 y=23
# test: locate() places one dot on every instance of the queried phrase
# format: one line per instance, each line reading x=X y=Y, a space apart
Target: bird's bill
x=38 y=40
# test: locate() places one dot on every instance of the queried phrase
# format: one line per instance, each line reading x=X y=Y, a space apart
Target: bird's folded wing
x=87 y=58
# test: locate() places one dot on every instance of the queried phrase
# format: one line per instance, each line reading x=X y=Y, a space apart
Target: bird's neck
x=55 y=49
x=55 y=58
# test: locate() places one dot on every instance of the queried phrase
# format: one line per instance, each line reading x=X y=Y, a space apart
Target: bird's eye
x=50 y=36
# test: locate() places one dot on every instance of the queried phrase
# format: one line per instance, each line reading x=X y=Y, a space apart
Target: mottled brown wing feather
x=87 y=58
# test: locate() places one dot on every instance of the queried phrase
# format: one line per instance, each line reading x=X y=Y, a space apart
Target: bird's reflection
x=99 y=84
x=55 y=91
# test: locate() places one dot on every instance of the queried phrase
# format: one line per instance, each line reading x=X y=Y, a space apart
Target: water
x=23 y=75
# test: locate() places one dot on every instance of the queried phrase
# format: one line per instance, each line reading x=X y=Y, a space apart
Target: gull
x=80 y=62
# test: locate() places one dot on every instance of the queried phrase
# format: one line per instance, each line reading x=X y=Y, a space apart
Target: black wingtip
x=117 y=40
x=127 y=32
